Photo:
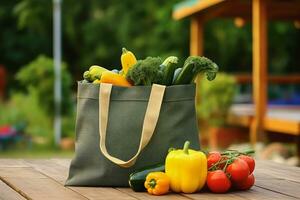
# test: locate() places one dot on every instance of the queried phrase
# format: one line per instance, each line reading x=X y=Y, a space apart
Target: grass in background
x=36 y=152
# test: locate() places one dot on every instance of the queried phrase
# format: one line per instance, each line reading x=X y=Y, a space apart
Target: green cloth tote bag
x=120 y=129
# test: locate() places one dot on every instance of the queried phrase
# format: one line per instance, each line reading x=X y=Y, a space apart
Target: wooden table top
x=43 y=179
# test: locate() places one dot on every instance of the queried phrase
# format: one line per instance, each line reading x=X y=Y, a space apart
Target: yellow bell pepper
x=127 y=60
x=187 y=169
x=157 y=183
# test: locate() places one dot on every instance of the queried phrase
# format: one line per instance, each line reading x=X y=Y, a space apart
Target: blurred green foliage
x=38 y=76
x=95 y=31
x=216 y=97
x=34 y=106
x=25 y=108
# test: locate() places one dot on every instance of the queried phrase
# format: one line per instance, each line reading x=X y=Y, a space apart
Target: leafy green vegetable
x=194 y=65
x=146 y=72
x=168 y=68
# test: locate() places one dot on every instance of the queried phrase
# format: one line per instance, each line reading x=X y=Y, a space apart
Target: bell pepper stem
x=186 y=147
x=124 y=50
x=152 y=183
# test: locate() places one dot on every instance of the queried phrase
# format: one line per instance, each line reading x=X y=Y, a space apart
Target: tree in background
x=95 y=31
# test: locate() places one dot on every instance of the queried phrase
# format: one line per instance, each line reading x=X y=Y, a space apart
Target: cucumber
x=168 y=68
x=194 y=65
x=138 y=178
x=176 y=73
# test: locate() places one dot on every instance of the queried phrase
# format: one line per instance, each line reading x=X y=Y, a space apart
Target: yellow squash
x=115 y=79
x=127 y=60
x=94 y=72
x=187 y=169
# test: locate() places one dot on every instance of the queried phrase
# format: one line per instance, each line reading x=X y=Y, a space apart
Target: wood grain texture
x=49 y=168
x=44 y=178
x=34 y=185
x=64 y=162
x=259 y=75
x=280 y=186
x=12 y=163
x=284 y=172
x=146 y=196
x=58 y=170
x=7 y=193
x=102 y=193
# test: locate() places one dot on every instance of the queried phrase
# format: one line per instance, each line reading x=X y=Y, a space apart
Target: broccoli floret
x=203 y=64
x=146 y=72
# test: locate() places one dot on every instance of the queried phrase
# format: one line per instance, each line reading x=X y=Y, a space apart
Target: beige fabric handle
x=150 y=120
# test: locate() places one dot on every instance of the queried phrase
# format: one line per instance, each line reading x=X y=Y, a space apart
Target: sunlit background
x=93 y=32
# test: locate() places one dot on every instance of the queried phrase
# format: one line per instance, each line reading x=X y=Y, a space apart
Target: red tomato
x=238 y=170
x=212 y=158
x=246 y=184
x=250 y=161
x=218 y=182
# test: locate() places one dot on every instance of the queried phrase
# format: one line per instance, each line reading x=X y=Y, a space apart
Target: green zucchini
x=138 y=178
x=194 y=65
x=168 y=68
x=176 y=73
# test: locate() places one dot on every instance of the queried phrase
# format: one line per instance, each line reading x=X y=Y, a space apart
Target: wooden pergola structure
x=259 y=12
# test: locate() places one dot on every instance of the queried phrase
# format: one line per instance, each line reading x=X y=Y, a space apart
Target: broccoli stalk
x=146 y=72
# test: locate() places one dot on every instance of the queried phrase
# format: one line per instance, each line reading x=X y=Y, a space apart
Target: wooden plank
x=282 y=79
x=58 y=170
x=282 y=119
x=196 y=36
x=254 y=193
x=34 y=185
x=275 y=170
x=286 y=10
x=259 y=31
x=62 y=161
x=277 y=10
x=19 y=172
x=282 y=126
x=50 y=169
x=285 y=187
x=146 y=196
x=239 y=120
x=261 y=193
x=209 y=195
x=12 y=163
x=6 y=193
x=201 y=5
x=102 y=193
x=278 y=178
x=196 y=45
x=268 y=174
x=238 y=9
